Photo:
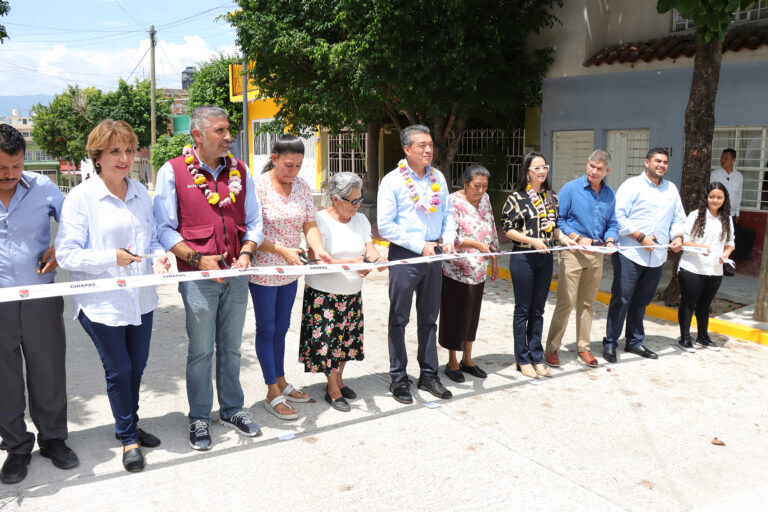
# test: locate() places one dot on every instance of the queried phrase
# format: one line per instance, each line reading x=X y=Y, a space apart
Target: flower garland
x=546 y=214
x=234 y=184
x=429 y=206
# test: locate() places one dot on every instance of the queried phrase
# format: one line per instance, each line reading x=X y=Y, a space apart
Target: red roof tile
x=677 y=46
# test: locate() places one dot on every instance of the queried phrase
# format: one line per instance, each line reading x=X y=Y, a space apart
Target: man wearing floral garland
x=414 y=215
x=208 y=216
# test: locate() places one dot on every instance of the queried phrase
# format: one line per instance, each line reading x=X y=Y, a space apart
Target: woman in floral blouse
x=529 y=219
x=464 y=278
x=287 y=211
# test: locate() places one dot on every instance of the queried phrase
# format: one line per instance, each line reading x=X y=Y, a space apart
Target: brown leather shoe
x=588 y=359
x=552 y=359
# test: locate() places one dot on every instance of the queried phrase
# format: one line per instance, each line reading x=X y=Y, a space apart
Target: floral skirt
x=331 y=330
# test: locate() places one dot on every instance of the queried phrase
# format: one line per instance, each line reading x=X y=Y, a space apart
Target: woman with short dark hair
x=464 y=278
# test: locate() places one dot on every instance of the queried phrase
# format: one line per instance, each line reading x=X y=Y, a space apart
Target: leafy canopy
x=344 y=63
x=168 y=148
x=4 y=9
x=711 y=17
x=62 y=127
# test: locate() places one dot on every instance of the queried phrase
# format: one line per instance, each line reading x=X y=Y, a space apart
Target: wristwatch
x=641 y=238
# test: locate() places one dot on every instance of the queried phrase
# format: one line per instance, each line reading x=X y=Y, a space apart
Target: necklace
x=546 y=213
x=429 y=206
x=234 y=184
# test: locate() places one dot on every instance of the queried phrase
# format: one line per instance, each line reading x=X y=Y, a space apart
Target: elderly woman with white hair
x=332 y=314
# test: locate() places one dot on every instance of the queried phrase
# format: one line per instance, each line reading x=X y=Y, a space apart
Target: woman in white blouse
x=332 y=312
x=106 y=227
x=700 y=275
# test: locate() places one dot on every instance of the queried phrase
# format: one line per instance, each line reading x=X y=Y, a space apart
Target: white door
x=628 y=149
x=570 y=150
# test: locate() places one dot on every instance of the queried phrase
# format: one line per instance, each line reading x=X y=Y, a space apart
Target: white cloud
x=48 y=72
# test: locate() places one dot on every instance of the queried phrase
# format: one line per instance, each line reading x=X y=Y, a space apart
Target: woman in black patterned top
x=529 y=219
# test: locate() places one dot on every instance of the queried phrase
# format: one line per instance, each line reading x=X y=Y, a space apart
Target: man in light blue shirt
x=414 y=215
x=33 y=328
x=649 y=212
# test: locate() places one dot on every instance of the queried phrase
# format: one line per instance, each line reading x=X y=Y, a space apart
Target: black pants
x=697 y=293
x=426 y=280
x=32 y=337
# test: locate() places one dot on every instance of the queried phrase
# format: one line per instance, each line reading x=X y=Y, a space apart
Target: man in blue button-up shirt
x=587 y=217
x=33 y=328
x=413 y=214
x=649 y=212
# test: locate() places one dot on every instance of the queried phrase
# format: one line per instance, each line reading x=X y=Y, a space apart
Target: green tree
x=132 y=103
x=711 y=18
x=211 y=87
x=353 y=64
x=4 y=9
x=62 y=127
x=169 y=147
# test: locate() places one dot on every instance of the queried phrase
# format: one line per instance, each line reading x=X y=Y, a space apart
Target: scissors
x=305 y=259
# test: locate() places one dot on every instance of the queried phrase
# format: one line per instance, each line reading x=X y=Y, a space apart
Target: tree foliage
x=169 y=147
x=4 y=10
x=62 y=127
x=711 y=17
x=211 y=87
x=347 y=63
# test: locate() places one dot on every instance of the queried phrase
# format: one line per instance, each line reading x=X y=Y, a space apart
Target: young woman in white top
x=332 y=313
x=700 y=274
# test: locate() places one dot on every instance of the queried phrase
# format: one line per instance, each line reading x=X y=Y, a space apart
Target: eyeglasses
x=353 y=202
x=540 y=168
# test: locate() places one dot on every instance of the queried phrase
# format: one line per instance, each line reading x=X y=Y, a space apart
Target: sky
x=95 y=42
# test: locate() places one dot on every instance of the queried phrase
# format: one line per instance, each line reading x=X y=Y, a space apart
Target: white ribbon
x=40 y=291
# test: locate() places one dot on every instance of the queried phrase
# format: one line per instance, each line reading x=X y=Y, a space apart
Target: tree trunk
x=447 y=134
x=699 y=129
x=371 y=181
x=761 y=301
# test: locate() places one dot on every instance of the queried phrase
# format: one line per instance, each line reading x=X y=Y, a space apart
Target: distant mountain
x=22 y=103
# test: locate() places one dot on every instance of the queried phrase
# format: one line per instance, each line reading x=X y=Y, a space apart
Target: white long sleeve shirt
x=734 y=182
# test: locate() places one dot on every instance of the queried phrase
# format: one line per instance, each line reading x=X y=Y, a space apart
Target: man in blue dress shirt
x=587 y=217
x=34 y=328
x=649 y=212
x=414 y=215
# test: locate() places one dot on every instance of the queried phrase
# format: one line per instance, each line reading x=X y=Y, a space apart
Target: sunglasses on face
x=353 y=202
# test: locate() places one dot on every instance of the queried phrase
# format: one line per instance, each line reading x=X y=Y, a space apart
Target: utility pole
x=153 y=105
x=244 y=139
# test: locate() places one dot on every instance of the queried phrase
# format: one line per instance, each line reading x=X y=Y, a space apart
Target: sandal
x=287 y=394
x=280 y=399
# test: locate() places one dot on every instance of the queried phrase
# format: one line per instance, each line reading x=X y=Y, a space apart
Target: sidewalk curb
x=724 y=327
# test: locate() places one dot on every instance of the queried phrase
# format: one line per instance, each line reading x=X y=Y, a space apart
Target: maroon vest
x=205 y=227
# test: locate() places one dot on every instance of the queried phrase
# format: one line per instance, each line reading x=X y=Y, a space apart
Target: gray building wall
x=655 y=100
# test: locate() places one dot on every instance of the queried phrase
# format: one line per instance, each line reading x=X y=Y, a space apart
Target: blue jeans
x=632 y=290
x=272 y=305
x=531 y=277
x=215 y=317
x=124 y=351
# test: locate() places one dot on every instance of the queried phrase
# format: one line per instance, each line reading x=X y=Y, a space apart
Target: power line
x=137 y=64
x=141 y=24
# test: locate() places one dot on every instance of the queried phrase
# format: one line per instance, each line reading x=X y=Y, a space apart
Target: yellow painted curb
x=731 y=329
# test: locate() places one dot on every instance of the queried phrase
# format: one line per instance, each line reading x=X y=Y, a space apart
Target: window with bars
x=346 y=153
x=758 y=11
x=751 y=145
x=499 y=151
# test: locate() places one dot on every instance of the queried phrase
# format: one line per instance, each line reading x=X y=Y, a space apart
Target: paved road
x=633 y=436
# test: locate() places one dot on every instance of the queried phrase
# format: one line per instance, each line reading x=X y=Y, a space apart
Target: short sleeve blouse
x=284 y=219
x=471 y=224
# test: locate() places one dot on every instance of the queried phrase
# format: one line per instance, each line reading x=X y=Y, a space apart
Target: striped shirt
x=94 y=224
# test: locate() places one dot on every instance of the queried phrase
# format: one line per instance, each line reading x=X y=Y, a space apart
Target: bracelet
x=677 y=236
x=641 y=238
x=578 y=238
x=247 y=253
x=610 y=241
x=193 y=259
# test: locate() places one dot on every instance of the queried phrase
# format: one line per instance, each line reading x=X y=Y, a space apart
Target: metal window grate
x=758 y=11
x=346 y=153
x=499 y=151
x=751 y=145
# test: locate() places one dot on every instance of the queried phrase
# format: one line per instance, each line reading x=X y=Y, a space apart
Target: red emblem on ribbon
x=121 y=283
x=24 y=293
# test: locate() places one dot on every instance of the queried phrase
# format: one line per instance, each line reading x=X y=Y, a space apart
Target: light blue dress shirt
x=587 y=213
x=402 y=223
x=25 y=230
x=652 y=210
x=166 y=206
x=94 y=224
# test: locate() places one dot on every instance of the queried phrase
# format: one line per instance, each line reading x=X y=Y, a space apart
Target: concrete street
x=636 y=435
